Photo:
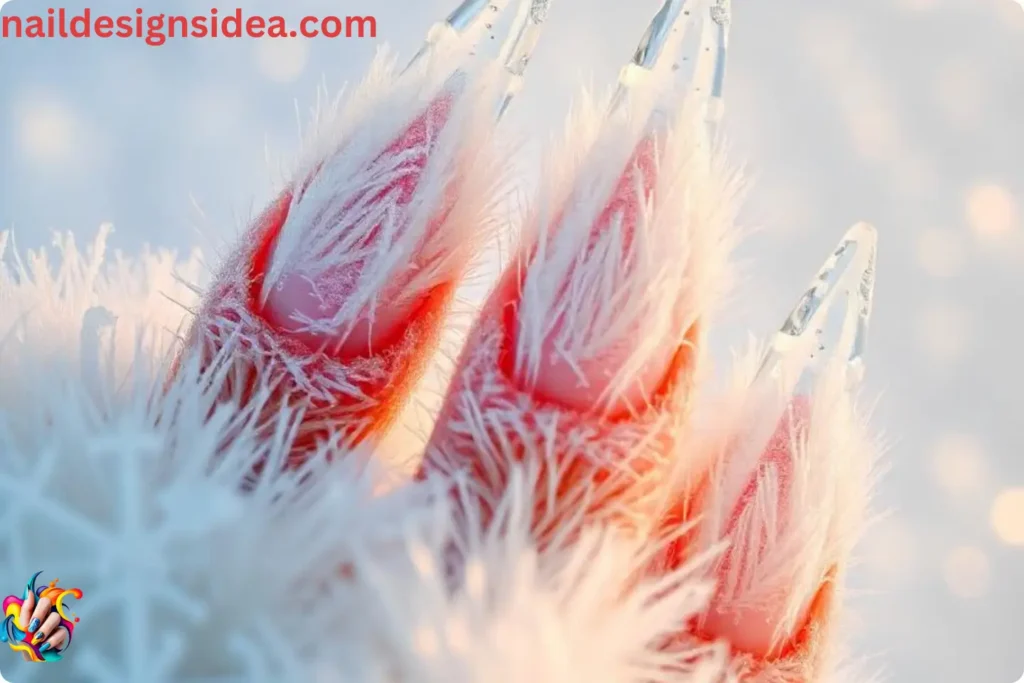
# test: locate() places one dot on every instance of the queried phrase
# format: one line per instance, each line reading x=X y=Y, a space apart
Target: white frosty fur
x=318 y=234
x=788 y=548
x=130 y=491
x=668 y=275
x=328 y=228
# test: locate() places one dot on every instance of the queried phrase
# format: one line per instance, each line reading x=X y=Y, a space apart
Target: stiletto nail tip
x=863 y=232
x=847 y=277
x=653 y=43
x=467 y=13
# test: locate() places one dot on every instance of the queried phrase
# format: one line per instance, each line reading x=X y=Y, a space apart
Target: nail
x=466 y=14
x=665 y=34
x=30 y=587
x=464 y=18
x=519 y=46
x=33 y=626
x=648 y=53
x=45 y=647
x=806 y=338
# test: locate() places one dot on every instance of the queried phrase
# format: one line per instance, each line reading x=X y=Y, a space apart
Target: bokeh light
x=46 y=130
x=991 y=210
x=967 y=572
x=1007 y=516
x=958 y=464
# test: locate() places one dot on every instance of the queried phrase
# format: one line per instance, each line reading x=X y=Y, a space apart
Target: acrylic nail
x=519 y=46
x=841 y=292
x=664 y=42
x=468 y=16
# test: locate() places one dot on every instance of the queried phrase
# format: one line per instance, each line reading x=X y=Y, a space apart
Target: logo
x=38 y=624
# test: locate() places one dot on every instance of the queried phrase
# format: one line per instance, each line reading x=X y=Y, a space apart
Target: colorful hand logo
x=38 y=624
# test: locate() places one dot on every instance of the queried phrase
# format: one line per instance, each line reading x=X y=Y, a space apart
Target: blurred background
x=905 y=113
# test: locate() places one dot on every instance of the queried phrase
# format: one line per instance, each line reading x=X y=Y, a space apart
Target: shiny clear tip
x=820 y=329
x=663 y=41
x=466 y=17
x=518 y=49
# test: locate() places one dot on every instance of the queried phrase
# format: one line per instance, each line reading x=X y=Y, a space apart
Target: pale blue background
x=894 y=111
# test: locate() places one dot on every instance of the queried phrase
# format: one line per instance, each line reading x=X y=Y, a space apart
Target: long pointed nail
x=469 y=15
x=758 y=489
x=519 y=46
x=809 y=335
x=30 y=587
x=813 y=337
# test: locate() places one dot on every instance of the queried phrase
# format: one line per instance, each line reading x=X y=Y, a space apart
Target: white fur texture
x=131 y=491
x=660 y=275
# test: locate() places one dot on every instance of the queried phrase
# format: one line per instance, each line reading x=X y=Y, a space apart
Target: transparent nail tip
x=654 y=40
x=519 y=47
x=516 y=50
x=464 y=18
x=830 y=321
x=666 y=33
